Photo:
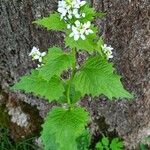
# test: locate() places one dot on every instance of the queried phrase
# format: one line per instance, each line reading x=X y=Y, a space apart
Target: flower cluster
x=70 y=8
x=37 y=55
x=107 y=50
x=80 y=30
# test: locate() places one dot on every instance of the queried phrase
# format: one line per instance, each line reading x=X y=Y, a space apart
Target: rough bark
x=126 y=28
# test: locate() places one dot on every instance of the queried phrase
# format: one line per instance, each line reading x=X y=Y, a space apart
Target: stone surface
x=126 y=28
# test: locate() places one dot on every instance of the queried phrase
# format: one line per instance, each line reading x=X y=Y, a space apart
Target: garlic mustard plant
x=107 y=50
x=37 y=55
x=95 y=77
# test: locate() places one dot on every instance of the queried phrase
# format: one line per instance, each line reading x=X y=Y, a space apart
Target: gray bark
x=126 y=28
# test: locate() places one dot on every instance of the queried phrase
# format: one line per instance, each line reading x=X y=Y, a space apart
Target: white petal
x=77 y=23
x=82 y=3
x=76 y=6
x=88 y=24
x=83 y=15
x=43 y=54
x=35 y=48
x=39 y=66
x=111 y=56
x=71 y=34
x=90 y=31
x=68 y=26
x=38 y=53
x=105 y=45
x=68 y=8
x=77 y=16
x=70 y=16
x=40 y=59
x=64 y=12
x=70 y=12
x=36 y=57
x=34 y=51
x=76 y=37
x=83 y=37
x=75 y=11
x=61 y=4
x=60 y=9
x=87 y=32
x=75 y=30
x=65 y=18
x=110 y=48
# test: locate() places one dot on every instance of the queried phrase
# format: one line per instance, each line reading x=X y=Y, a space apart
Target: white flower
x=63 y=12
x=80 y=30
x=62 y=8
x=76 y=13
x=86 y=27
x=36 y=54
x=68 y=26
x=75 y=33
x=82 y=3
x=107 y=50
x=70 y=8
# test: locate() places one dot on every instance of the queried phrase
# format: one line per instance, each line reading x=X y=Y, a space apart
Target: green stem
x=72 y=76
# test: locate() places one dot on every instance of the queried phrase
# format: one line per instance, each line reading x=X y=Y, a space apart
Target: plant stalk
x=72 y=76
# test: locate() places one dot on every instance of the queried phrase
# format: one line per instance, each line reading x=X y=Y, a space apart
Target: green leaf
x=66 y=125
x=99 y=146
x=88 y=44
x=97 y=77
x=34 y=83
x=105 y=141
x=90 y=13
x=52 y=22
x=143 y=146
x=104 y=144
x=49 y=140
x=116 y=144
x=55 y=62
x=83 y=141
x=100 y=43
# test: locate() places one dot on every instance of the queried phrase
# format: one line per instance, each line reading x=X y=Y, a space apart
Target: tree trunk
x=126 y=28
